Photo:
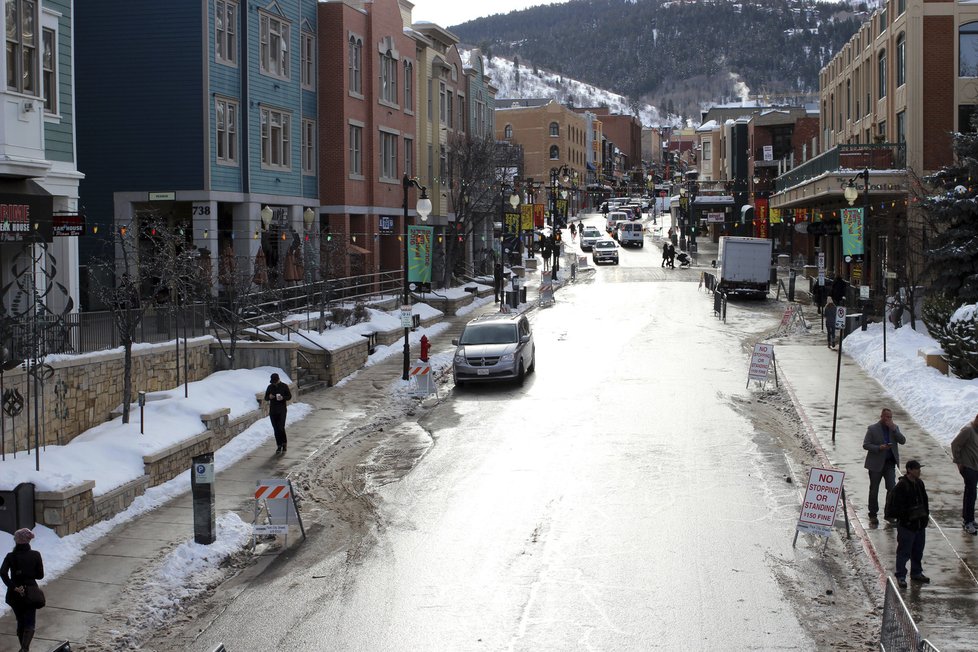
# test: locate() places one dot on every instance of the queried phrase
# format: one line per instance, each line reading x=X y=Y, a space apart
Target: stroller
x=683 y=259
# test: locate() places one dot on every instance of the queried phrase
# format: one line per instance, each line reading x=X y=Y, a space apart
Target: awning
x=26 y=210
x=713 y=200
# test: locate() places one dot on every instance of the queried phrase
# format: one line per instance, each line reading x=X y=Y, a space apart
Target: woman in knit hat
x=21 y=568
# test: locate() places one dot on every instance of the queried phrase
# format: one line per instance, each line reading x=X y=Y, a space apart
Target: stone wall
x=109 y=504
x=343 y=362
x=171 y=462
x=249 y=355
x=82 y=391
x=68 y=511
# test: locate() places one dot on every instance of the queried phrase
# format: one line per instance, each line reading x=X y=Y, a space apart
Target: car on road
x=589 y=236
x=614 y=217
x=496 y=347
x=605 y=251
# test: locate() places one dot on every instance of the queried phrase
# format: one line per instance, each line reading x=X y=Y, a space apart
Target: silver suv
x=589 y=236
x=494 y=347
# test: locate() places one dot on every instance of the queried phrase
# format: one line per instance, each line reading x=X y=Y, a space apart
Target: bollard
x=202 y=488
x=791 y=285
x=142 y=406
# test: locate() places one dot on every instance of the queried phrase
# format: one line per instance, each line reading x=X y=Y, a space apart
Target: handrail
x=884 y=156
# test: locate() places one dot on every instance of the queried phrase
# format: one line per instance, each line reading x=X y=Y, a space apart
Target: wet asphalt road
x=616 y=501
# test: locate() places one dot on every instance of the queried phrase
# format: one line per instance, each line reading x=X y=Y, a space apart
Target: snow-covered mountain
x=544 y=84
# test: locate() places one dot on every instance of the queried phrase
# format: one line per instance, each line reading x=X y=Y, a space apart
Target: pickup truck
x=744 y=265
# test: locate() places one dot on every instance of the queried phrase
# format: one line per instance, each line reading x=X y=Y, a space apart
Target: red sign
x=68 y=225
x=662 y=193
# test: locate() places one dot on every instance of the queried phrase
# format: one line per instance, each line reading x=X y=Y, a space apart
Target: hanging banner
x=419 y=257
x=539 y=215
x=760 y=218
x=526 y=217
x=512 y=223
x=775 y=215
x=852 y=233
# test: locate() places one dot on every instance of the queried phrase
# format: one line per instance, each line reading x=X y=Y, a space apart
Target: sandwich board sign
x=821 y=502
x=760 y=363
x=275 y=497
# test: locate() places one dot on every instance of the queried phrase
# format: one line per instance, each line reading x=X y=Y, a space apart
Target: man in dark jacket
x=278 y=396
x=497 y=280
x=909 y=507
x=881 y=444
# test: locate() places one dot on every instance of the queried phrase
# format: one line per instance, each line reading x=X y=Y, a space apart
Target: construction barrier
x=422 y=380
x=275 y=498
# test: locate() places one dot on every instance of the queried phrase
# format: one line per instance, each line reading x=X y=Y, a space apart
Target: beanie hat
x=23 y=535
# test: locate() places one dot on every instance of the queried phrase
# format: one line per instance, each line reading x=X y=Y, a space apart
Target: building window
x=443 y=164
x=443 y=101
x=429 y=101
x=881 y=73
x=308 y=63
x=275 y=141
x=461 y=113
x=308 y=147
x=554 y=129
x=966 y=116
x=408 y=86
x=356 y=150
x=355 y=65
x=508 y=132
x=274 y=46
x=450 y=109
x=901 y=60
x=881 y=131
x=388 y=78
x=554 y=152
x=901 y=127
x=227 y=131
x=901 y=7
x=409 y=157
x=848 y=99
x=388 y=155
x=967 y=50
x=707 y=150
x=49 y=70
x=22 y=21
x=884 y=22
x=225 y=36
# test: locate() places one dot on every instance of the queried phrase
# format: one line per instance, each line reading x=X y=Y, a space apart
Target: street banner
x=774 y=214
x=760 y=362
x=539 y=215
x=419 y=257
x=761 y=218
x=852 y=232
x=512 y=222
x=526 y=217
x=821 y=501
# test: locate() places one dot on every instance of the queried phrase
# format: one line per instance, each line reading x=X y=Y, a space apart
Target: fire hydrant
x=425 y=348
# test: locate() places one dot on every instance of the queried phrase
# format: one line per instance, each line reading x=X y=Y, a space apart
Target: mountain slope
x=678 y=54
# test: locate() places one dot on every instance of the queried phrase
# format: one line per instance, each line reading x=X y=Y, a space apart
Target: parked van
x=631 y=234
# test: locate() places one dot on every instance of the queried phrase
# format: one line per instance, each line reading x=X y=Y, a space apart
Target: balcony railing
x=878 y=156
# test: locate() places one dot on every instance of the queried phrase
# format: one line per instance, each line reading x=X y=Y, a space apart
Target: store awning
x=713 y=200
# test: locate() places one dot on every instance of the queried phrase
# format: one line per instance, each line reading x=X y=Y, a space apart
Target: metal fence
x=899 y=633
x=878 y=156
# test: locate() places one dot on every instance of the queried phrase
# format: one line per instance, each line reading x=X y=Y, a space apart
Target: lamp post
x=851 y=193
x=423 y=209
x=557 y=174
x=514 y=201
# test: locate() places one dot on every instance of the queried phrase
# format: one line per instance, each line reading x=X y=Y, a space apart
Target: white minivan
x=614 y=217
x=630 y=234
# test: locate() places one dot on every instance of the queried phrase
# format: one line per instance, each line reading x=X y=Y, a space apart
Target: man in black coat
x=497 y=280
x=908 y=504
x=278 y=396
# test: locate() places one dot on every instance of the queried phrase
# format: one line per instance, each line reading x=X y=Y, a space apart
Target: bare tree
x=478 y=168
x=232 y=309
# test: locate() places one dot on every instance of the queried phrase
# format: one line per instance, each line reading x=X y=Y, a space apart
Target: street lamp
x=561 y=174
x=423 y=209
x=514 y=201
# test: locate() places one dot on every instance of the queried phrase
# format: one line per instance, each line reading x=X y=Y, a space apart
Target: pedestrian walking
x=881 y=443
x=497 y=280
x=545 y=252
x=278 y=395
x=20 y=571
x=573 y=230
x=838 y=291
x=964 y=453
x=829 y=314
x=672 y=256
x=909 y=505
x=665 y=254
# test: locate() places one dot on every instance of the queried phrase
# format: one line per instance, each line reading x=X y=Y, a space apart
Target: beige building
x=552 y=136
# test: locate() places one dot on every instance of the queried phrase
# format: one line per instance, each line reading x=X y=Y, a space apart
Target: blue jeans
x=910 y=546
x=888 y=475
x=970 y=493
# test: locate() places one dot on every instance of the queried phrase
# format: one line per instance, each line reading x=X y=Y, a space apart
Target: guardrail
x=879 y=156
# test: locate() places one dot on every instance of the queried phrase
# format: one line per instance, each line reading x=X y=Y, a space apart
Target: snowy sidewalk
x=946 y=610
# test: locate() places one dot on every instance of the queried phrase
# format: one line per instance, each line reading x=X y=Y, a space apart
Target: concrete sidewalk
x=946 y=610
x=78 y=600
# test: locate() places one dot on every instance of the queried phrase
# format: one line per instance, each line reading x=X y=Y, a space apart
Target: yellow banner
x=775 y=215
x=526 y=215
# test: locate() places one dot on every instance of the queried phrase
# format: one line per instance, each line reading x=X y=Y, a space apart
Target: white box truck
x=744 y=265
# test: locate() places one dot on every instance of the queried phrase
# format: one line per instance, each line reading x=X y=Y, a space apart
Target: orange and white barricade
x=422 y=379
x=275 y=498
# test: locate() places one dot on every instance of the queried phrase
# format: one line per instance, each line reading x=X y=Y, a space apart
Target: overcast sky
x=452 y=12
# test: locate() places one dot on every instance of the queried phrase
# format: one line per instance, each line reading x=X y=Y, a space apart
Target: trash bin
x=853 y=321
x=17 y=508
x=512 y=298
x=523 y=294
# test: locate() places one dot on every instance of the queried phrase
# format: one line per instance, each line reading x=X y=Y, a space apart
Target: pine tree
x=952 y=214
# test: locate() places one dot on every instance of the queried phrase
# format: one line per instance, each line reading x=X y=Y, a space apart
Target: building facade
x=215 y=122
x=40 y=220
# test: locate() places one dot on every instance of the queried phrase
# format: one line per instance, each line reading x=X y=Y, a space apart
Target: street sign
x=204 y=473
x=406 y=318
x=821 y=501
x=840 y=317
x=760 y=361
x=271 y=529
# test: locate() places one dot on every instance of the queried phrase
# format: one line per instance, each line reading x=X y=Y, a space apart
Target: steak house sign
x=25 y=218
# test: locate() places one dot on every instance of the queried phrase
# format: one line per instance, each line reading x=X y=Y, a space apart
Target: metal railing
x=898 y=632
x=878 y=156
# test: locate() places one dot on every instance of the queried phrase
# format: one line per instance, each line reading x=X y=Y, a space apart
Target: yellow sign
x=526 y=215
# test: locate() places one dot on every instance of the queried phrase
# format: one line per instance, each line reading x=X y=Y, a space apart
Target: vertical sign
x=821 y=268
x=760 y=217
x=821 y=501
x=539 y=215
x=760 y=361
x=419 y=257
x=526 y=217
x=852 y=233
